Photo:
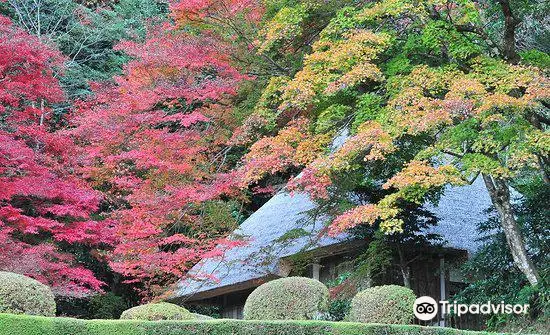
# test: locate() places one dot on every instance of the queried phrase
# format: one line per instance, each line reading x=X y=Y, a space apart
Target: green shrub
x=535 y=58
x=390 y=304
x=157 y=311
x=338 y=309
x=23 y=295
x=292 y=298
x=107 y=306
x=37 y=325
x=74 y=307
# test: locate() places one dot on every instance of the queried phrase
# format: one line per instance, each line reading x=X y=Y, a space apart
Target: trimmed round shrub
x=292 y=298
x=157 y=311
x=23 y=295
x=390 y=304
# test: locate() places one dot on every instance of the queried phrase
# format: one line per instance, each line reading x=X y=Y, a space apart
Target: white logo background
x=425 y=308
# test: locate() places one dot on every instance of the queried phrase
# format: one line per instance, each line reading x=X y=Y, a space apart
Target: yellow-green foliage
x=157 y=311
x=292 y=298
x=286 y=25
x=390 y=304
x=23 y=295
x=331 y=117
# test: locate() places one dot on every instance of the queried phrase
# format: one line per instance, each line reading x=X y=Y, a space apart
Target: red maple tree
x=43 y=205
x=153 y=144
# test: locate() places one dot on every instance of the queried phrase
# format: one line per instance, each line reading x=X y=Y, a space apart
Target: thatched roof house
x=276 y=231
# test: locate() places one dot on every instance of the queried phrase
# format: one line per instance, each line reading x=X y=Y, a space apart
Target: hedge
x=11 y=324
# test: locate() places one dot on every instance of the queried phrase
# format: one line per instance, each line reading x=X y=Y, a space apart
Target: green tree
x=85 y=36
x=492 y=272
x=437 y=95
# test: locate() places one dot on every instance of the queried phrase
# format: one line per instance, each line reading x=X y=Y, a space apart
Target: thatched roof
x=459 y=209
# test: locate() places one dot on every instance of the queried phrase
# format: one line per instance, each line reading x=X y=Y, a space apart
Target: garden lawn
x=11 y=324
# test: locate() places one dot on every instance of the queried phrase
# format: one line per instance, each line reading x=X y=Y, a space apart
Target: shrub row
x=11 y=324
x=298 y=298
x=292 y=298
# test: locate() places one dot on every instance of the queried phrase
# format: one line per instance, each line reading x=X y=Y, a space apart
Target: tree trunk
x=510 y=24
x=405 y=270
x=500 y=197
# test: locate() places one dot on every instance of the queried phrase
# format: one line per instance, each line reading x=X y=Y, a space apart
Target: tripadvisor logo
x=426 y=308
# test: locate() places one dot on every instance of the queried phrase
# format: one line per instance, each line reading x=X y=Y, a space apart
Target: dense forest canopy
x=136 y=135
